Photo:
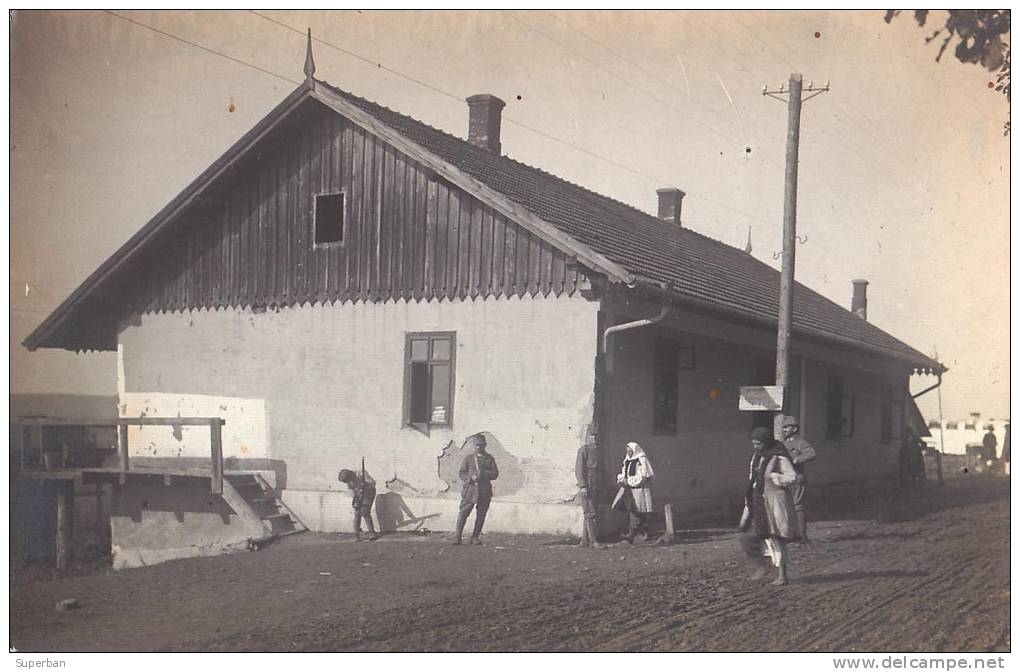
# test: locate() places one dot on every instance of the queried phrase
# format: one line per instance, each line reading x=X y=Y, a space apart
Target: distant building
x=959 y=433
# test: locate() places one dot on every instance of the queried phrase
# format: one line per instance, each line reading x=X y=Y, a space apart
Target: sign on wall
x=761 y=398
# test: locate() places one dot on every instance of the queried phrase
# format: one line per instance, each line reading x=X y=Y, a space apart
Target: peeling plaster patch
x=444 y=457
x=511 y=477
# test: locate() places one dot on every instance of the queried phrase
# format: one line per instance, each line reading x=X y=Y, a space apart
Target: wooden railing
x=215 y=426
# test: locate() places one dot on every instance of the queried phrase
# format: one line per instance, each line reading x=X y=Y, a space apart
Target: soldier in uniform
x=801 y=452
x=363 y=487
x=477 y=471
x=589 y=483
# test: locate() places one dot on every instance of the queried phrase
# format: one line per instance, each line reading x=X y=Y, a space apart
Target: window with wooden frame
x=329 y=214
x=892 y=413
x=885 y=408
x=429 y=364
x=670 y=358
x=840 y=409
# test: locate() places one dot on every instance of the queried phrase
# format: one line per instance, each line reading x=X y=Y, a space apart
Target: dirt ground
x=924 y=570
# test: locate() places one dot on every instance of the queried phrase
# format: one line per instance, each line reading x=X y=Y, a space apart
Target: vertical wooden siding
x=407 y=234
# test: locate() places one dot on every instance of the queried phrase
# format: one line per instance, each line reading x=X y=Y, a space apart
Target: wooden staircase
x=251 y=493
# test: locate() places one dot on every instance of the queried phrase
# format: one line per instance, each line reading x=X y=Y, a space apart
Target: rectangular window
x=839 y=410
x=429 y=362
x=329 y=218
x=886 y=420
x=899 y=418
x=669 y=360
x=893 y=413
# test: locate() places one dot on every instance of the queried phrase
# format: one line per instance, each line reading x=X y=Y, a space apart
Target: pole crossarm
x=778 y=94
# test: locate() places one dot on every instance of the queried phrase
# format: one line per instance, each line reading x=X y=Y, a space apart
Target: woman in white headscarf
x=635 y=477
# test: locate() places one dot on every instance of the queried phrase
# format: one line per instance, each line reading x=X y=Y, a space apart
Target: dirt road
x=925 y=570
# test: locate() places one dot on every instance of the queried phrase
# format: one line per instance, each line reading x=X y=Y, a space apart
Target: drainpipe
x=942 y=435
x=666 y=307
x=928 y=389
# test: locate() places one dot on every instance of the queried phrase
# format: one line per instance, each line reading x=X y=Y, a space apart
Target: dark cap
x=345 y=475
x=762 y=434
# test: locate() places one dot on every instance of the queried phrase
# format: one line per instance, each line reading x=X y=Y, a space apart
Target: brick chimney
x=859 y=304
x=670 y=201
x=484 y=116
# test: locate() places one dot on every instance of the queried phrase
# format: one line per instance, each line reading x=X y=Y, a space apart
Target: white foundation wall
x=315 y=388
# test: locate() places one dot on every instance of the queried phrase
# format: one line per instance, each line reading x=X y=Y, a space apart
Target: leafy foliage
x=981 y=37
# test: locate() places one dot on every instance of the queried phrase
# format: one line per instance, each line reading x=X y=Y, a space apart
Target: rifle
x=361 y=493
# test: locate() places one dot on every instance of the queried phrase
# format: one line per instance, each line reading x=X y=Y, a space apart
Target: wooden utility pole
x=942 y=432
x=786 y=282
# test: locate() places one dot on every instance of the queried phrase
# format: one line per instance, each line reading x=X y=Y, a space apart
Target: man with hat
x=588 y=471
x=477 y=471
x=801 y=452
x=769 y=519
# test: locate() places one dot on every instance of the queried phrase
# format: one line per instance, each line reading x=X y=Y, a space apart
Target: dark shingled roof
x=695 y=265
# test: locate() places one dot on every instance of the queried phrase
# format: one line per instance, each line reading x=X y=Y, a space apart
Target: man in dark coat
x=363 y=487
x=769 y=519
x=989 y=444
x=477 y=471
x=589 y=484
x=911 y=457
x=801 y=452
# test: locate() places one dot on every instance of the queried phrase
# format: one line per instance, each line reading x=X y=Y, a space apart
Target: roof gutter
x=675 y=298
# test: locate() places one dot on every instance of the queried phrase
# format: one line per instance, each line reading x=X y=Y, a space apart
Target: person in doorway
x=636 y=479
x=363 y=487
x=589 y=484
x=801 y=452
x=477 y=471
x=769 y=519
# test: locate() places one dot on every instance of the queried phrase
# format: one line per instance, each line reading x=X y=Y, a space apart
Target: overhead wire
x=626 y=81
x=199 y=46
x=636 y=66
x=845 y=122
x=656 y=180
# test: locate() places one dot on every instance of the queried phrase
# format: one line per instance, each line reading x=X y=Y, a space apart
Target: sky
x=904 y=170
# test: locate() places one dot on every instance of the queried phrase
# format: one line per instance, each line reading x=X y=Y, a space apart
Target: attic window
x=329 y=218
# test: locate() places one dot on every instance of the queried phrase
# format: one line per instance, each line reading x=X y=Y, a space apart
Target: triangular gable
x=86 y=308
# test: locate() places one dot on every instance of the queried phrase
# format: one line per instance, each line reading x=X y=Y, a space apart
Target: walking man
x=477 y=471
x=363 y=487
x=589 y=483
x=801 y=452
x=769 y=519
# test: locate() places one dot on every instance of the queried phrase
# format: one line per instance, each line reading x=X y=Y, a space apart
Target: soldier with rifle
x=363 y=487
